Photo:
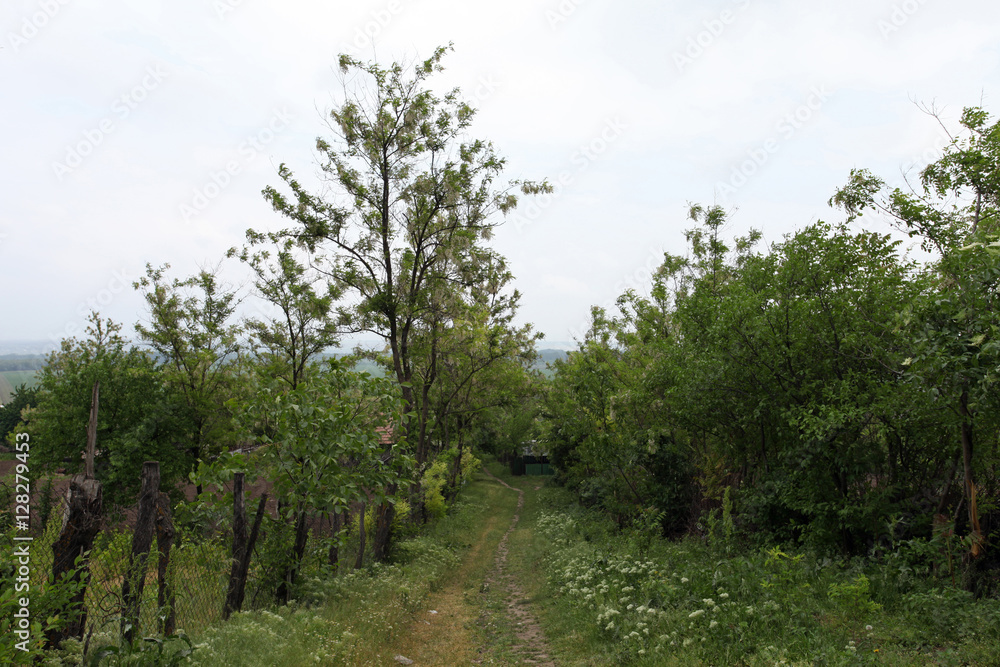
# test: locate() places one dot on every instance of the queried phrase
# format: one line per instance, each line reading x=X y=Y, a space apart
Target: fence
x=197 y=574
x=530 y=465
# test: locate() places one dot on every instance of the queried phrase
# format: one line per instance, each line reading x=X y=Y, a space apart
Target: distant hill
x=549 y=355
x=23 y=348
x=20 y=362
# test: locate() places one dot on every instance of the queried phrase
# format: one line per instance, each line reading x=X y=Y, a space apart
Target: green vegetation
x=356 y=617
x=778 y=454
x=837 y=391
x=612 y=597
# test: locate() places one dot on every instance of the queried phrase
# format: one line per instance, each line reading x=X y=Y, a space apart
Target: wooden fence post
x=360 y=560
x=142 y=539
x=81 y=523
x=242 y=546
x=239 y=543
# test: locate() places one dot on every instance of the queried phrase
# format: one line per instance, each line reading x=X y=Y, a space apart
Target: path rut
x=532 y=646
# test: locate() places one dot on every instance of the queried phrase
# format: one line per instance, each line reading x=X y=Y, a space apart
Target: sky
x=143 y=131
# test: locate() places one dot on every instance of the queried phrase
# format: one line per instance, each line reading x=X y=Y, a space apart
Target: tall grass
x=627 y=599
x=350 y=618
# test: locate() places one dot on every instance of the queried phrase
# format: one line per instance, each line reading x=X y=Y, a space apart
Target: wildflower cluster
x=646 y=605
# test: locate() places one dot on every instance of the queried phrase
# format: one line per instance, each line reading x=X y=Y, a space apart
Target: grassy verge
x=357 y=618
x=607 y=598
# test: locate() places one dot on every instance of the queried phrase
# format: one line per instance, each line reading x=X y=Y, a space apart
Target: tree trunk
x=360 y=560
x=970 y=486
x=384 y=514
x=164 y=541
x=298 y=550
x=242 y=546
x=142 y=539
x=239 y=544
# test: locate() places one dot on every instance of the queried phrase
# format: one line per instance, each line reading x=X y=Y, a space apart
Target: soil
x=445 y=633
x=532 y=645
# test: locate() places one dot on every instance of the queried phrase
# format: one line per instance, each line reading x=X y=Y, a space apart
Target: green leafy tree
x=405 y=211
x=326 y=448
x=955 y=213
x=189 y=328
x=136 y=419
x=303 y=326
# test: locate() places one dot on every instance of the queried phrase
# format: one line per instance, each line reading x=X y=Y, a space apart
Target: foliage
x=50 y=606
x=824 y=381
x=325 y=444
x=137 y=420
x=436 y=479
x=10 y=414
x=353 y=618
x=634 y=602
x=189 y=329
x=302 y=328
x=153 y=651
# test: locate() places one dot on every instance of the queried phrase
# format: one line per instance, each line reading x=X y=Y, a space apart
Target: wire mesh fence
x=197 y=574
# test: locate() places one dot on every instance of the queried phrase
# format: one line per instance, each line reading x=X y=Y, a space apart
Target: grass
x=628 y=599
x=453 y=636
x=602 y=596
x=363 y=617
x=356 y=617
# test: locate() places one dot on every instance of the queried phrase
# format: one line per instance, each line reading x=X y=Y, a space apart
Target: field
x=10 y=380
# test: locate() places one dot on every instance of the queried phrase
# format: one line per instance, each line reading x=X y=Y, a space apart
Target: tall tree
x=955 y=212
x=190 y=329
x=302 y=326
x=406 y=208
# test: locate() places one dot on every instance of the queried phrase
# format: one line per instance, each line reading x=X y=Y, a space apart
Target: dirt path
x=531 y=645
x=443 y=634
x=446 y=633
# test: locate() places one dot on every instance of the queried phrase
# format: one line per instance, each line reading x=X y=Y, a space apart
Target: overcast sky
x=143 y=131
